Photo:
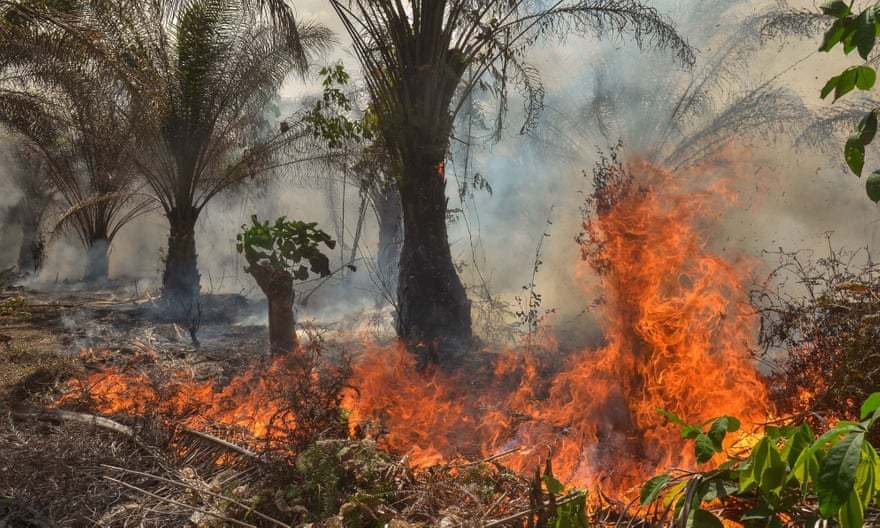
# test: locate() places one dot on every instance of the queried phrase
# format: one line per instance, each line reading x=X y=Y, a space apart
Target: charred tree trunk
x=97 y=261
x=434 y=315
x=278 y=288
x=180 y=280
x=389 y=215
x=30 y=252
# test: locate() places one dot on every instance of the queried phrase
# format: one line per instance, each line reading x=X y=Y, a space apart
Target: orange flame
x=678 y=333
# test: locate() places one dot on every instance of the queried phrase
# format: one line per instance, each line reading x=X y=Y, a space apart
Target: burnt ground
x=67 y=469
x=43 y=334
x=50 y=473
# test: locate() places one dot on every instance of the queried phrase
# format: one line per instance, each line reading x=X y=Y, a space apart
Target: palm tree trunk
x=389 y=215
x=30 y=252
x=97 y=261
x=434 y=316
x=180 y=280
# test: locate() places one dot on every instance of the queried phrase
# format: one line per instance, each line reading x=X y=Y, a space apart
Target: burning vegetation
x=703 y=398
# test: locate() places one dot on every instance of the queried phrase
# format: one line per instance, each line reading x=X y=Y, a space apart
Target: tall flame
x=678 y=332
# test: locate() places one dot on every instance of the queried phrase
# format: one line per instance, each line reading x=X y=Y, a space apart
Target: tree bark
x=30 y=253
x=434 y=316
x=389 y=215
x=97 y=261
x=180 y=280
x=278 y=288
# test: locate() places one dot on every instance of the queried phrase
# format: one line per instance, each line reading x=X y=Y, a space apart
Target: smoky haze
x=790 y=194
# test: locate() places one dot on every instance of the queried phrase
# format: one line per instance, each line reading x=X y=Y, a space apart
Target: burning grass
x=379 y=440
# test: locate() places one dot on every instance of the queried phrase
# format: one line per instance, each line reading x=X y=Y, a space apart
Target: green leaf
x=704 y=519
x=833 y=36
x=672 y=417
x=847 y=82
x=852 y=513
x=651 y=489
x=830 y=86
x=866 y=33
x=865 y=77
x=704 y=448
x=837 y=476
x=673 y=492
x=854 y=154
x=835 y=8
x=553 y=486
x=720 y=427
x=867 y=128
x=806 y=468
x=716 y=488
x=871 y=404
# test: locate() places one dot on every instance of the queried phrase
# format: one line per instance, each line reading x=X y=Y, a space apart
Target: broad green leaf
x=852 y=513
x=553 y=485
x=868 y=127
x=774 y=474
x=700 y=518
x=673 y=493
x=835 y=8
x=837 y=475
x=651 y=489
x=865 y=77
x=833 y=36
x=797 y=441
x=866 y=475
x=720 y=427
x=716 y=488
x=704 y=448
x=806 y=468
x=854 y=154
x=847 y=82
x=866 y=33
x=830 y=86
x=872 y=403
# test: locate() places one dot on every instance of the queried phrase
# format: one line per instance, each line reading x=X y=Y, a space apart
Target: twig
x=178 y=503
x=250 y=509
x=488 y=459
x=228 y=445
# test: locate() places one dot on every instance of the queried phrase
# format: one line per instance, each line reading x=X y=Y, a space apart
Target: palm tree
x=678 y=119
x=28 y=175
x=199 y=75
x=68 y=111
x=415 y=55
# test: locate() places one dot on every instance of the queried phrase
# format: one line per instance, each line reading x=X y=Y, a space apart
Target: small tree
x=277 y=255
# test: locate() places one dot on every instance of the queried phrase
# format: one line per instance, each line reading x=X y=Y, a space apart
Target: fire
x=252 y=403
x=678 y=330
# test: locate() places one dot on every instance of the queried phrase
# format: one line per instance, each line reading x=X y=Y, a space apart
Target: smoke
x=789 y=196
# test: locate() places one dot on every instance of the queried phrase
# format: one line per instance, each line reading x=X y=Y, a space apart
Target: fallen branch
x=223 y=443
x=181 y=504
x=249 y=509
x=88 y=419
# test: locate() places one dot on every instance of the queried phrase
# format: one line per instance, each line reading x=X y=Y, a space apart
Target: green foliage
x=706 y=442
x=854 y=31
x=285 y=246
x=570 y=512
x=788 y=467
x=328 y=119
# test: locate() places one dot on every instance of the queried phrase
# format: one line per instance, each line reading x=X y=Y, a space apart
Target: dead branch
x=248 y=509
x=182 y=505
